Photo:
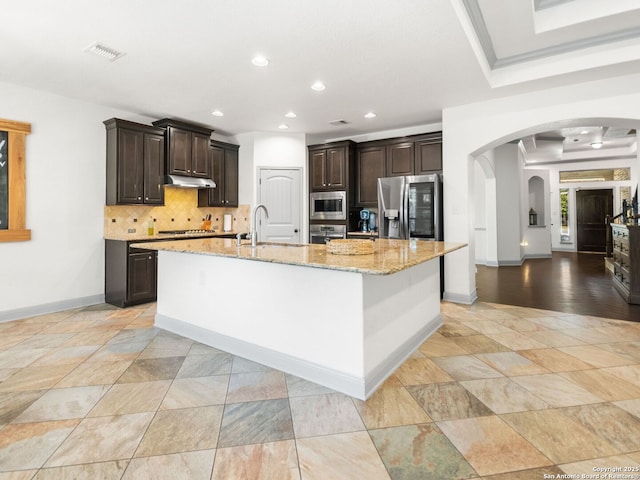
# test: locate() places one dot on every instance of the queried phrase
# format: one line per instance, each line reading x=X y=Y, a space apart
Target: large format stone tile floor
x=499 y=392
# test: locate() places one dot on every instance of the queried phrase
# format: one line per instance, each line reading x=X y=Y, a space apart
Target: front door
x=592 y=206
x=279 y=191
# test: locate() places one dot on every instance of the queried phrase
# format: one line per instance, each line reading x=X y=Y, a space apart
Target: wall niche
x=536 y=202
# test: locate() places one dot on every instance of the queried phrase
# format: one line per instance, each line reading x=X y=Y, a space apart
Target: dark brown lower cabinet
x=130 y=274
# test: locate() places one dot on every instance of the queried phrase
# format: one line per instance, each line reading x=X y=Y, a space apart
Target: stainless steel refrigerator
x=410 y=207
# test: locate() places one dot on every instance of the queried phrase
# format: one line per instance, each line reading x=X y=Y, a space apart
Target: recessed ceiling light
x=260 y=61
x=596 y=145
x=584 y=132
x=290 y=115
x=103 y=51
x=370 y=115
x=217 y=113
x=283 y=126
x=318 y=86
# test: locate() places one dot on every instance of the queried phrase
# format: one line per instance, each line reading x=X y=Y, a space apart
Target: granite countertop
x=141 y=236
x=389 y=256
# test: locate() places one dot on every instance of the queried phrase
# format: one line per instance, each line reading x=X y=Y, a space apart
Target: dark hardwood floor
x=567 y=282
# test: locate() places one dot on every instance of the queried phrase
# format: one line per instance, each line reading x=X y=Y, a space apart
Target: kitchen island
x=343 y=321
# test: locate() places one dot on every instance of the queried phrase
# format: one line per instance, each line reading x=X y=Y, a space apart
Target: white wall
x=380 y=135
x=536 y=239
x=63 y=264
x=480 y=214
x=469 y=130
x=508 y=170
x=264 y=149
x=485 y=216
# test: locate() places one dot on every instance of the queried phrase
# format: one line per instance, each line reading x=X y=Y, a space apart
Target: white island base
x=345 y=330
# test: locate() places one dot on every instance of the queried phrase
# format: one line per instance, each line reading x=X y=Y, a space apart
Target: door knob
x=295 y=230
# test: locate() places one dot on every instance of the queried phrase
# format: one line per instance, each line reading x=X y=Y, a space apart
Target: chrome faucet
x=254 y=229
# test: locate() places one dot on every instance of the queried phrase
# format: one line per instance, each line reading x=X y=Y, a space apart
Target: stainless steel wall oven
x=326 y=233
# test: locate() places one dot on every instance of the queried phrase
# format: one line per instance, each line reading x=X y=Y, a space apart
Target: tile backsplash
x=180 y=211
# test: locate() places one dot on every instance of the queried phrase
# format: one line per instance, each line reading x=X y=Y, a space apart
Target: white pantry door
x=279 y=190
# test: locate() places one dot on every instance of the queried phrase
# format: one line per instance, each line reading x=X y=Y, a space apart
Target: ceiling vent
x=338 y=123
x=103 y=51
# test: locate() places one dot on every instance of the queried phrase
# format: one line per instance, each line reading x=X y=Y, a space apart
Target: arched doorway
x=540 y=208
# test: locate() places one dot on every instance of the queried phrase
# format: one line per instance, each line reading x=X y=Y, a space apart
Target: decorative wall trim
x=474 y=13
x=568 y=47
x=52 y=307
x=542 y=4
x=480 y=27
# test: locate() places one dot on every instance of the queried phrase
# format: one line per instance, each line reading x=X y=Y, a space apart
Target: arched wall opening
x=471 y=131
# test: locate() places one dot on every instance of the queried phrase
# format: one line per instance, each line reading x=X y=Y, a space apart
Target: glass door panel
x=421 y=210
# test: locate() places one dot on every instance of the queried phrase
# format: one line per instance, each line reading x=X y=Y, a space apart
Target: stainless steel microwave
x=328 y=205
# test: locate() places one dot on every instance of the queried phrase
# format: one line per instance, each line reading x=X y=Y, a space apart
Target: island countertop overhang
x=388 y=257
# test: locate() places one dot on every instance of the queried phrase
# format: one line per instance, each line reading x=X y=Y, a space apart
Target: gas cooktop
x=184 y=232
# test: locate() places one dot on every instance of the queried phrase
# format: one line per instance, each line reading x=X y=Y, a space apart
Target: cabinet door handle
x=328 y=185
x=139 y=198
x=188 y=171
x=146 y=198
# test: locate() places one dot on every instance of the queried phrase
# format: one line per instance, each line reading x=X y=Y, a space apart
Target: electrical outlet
x=131 y=230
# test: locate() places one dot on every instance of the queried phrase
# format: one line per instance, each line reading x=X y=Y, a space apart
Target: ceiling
x=577 y=144
x=405 y=60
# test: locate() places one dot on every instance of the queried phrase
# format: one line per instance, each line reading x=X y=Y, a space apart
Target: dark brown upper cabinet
x=412 y=155
x=187 y=148
x=224 y=169
x=329 y=166
x=400 y=159
x=428 y=155
x=370 y=165
x=135 y=163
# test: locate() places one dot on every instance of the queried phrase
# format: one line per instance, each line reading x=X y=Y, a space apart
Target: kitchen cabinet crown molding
x=120 y=123
x=170 y=122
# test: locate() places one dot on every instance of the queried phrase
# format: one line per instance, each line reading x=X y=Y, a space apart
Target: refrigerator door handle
x=405 y=209
x=437 y=208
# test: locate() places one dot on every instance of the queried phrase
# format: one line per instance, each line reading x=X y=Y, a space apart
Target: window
x=565 y=233
x=13 y=181
x=603 y=175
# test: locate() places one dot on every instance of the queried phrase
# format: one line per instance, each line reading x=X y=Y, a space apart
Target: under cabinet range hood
x=188 y=182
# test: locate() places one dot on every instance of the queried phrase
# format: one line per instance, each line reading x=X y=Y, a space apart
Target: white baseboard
x=510 y=263
x=537 y=255
x=378 y=375
x=351 y=385
x=52 y=307
x=461 y=298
